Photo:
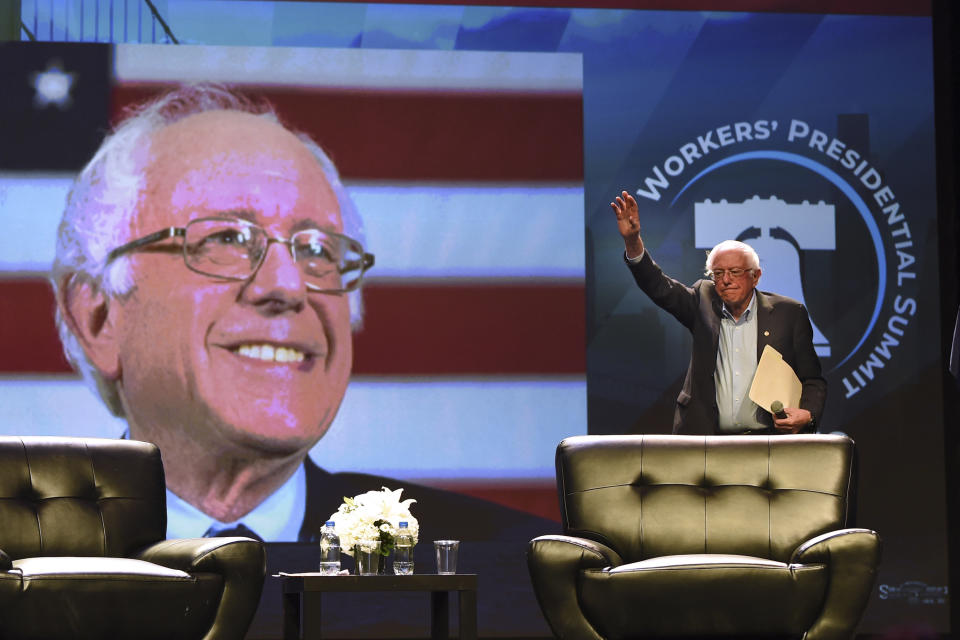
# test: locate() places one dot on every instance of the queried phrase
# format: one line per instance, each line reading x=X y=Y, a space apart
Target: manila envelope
x=774 y=380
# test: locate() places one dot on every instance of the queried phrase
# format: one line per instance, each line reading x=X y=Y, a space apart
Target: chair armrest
x=555 y=563
x=852 y=557
x=199 y=554
x=241 y=561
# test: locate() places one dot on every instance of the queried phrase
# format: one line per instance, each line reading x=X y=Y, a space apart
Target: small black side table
x=302 y=593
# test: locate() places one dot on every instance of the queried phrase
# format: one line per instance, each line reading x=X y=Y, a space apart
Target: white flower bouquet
x=374 y=515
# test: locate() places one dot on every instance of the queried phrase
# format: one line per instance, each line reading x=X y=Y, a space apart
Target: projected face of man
x=196 y=356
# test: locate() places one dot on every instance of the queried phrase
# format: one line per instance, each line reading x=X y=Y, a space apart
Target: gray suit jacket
x=782 y=323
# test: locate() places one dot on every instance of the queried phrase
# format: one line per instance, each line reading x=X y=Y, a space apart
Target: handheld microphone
x=776 y=407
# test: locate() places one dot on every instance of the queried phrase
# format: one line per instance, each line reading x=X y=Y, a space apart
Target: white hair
x=103 y=200
x=752 y=258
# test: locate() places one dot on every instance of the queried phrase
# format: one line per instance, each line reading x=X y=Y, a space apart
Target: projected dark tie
x=237 y=530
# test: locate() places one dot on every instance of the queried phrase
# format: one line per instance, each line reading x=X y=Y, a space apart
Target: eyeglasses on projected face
x=233 y=249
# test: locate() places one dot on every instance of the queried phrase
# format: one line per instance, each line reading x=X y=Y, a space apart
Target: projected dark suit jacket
x=441 y=514
x=782 y=323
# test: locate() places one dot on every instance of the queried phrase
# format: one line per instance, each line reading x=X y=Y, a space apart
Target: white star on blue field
x=52 y=86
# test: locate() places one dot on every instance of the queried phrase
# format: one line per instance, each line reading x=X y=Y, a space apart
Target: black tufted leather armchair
x=83 y=555
x=697 y=536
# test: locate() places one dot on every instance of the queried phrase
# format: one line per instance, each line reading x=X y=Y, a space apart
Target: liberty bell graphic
x=778 y=232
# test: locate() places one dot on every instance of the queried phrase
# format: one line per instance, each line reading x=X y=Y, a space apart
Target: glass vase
x=366 y=554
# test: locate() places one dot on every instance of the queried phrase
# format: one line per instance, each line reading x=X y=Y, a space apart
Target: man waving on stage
x=731 y=322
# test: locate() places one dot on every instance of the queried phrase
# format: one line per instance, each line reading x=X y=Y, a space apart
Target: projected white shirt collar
x=276 y=519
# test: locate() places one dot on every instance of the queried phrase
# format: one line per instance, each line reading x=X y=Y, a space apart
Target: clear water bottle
x=329 y=550
x=403 y=551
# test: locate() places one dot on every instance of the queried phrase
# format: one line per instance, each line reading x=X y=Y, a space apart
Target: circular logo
x=829 y=230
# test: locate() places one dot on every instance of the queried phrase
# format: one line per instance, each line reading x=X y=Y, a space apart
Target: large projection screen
x=500 y=316
x=477 y=230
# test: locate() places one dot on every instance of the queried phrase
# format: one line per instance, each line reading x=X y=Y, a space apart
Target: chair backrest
x=79 y=496
x=650 y=495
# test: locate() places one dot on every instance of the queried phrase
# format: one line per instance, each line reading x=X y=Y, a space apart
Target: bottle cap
x=330 y=523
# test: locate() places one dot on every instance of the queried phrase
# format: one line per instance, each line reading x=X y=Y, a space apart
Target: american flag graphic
x=467 y=168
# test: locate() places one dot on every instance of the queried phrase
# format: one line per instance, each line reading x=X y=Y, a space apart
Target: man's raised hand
x=628 y=221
